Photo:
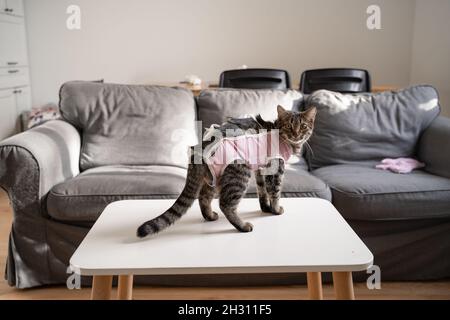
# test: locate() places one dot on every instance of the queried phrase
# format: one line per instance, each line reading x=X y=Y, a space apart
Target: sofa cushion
x=350 y=128
x=216 y=106
x=83 y=198
x=366 y=193
x=130 y=124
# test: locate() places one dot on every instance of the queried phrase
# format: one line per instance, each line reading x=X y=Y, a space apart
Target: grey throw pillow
x=216 y=106
x=352 y=128
x=130 y=124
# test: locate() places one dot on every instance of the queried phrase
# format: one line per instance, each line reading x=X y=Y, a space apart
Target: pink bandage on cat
x=256 y=150
x=400 y=165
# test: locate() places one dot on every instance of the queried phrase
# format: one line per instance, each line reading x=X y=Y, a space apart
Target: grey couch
x=130 y=142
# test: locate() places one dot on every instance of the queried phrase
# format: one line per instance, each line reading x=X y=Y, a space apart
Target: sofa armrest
x=434 y=148
x=31 y=163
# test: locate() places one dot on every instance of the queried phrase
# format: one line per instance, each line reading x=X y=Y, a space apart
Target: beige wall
x=431 y=48
x=143 y=41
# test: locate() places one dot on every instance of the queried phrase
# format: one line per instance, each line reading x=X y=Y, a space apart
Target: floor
x=390 y=290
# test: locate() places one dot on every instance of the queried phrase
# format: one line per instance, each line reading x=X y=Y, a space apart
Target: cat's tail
x=194 y=182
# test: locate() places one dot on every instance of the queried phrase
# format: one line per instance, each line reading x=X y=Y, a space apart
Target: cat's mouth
x=294 y=142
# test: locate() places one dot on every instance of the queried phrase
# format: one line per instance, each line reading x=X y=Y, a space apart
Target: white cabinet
x=2 y=6
x=8 y=113
x=13 y=44
x=12 y=103
x=15 y=94
x=12 y=7
x=13 y=77
x=23 y=99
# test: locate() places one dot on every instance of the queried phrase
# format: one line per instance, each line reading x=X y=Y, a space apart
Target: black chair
x=255 y=79
x=342 y=80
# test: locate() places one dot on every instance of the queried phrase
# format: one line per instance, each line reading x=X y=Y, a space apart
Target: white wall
x=145 y=41
x=431 y=48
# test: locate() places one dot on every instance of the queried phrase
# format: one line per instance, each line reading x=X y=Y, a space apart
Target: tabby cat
x=294 y=129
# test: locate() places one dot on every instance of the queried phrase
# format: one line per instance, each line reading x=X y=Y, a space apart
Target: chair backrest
x=255 y=79
x=342 y=80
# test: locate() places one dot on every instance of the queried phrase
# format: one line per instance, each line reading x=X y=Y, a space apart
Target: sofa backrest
x=216 y=106
x=130 y=124
x=355 y=128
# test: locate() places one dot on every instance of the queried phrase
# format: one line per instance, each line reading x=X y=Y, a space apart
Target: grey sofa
x=130 y=142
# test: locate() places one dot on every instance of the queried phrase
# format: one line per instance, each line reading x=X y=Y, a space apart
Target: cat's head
x=296 y=127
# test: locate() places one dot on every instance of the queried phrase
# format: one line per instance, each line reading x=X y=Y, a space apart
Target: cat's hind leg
x=233 y=185
x=205 y=198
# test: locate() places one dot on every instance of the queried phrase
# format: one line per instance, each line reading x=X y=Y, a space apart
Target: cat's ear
x=281 y=111
x=310 y=114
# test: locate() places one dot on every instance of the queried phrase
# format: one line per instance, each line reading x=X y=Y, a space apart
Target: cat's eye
x=304 y=126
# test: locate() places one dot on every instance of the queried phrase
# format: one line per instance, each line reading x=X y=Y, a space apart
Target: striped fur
x=295 y=128
x=233 y=184
x=194 y=183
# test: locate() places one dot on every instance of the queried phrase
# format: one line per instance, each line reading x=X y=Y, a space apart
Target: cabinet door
x=13 y=46
x=15 y=7
x=8 y=114
x=23 y=100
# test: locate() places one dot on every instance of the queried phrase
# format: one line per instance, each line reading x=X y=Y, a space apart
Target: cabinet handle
x=8 y=10
x=17 y=91
x=13 y=71
x=12 y=63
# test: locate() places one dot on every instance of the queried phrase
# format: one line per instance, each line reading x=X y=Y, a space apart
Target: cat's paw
x=248 y=227
x=212 y=217
x=278 y=211
x=265 y=207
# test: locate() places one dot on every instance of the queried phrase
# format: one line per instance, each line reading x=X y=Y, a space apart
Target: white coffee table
x=311 y=237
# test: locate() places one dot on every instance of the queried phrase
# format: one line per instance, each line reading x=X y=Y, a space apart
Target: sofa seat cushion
x=365 y=193
x=83 y=198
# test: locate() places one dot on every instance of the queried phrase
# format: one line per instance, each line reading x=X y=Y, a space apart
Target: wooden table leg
x=125 y=288
x=314 y=285
x=101 y=288
x=343 y=285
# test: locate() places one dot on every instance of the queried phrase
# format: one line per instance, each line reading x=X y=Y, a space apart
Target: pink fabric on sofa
x=400 y=165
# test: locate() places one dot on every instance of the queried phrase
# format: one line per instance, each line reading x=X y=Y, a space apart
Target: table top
x=311 y=236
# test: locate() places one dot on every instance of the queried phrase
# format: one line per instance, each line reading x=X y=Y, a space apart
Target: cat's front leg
x=273 y=185
x=264 y=201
